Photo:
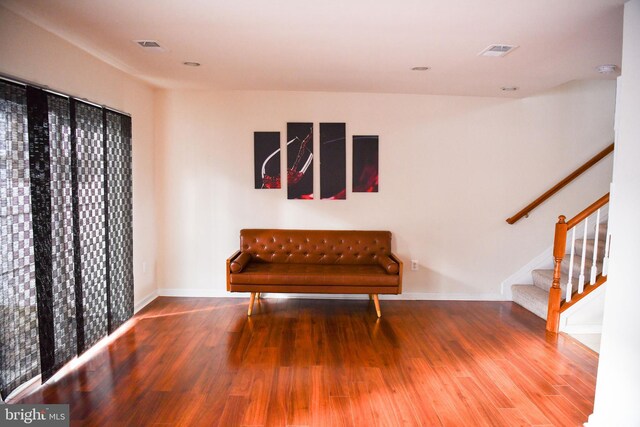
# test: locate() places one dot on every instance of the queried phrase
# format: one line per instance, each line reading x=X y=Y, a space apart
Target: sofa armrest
x=240 y=262
x=389 y=265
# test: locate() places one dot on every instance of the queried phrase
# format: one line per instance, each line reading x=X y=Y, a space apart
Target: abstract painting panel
x=333 y=161
x=365 y=164
x=266 y=149
x=300 y=161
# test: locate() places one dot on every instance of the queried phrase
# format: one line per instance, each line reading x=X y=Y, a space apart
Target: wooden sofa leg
x=376 y=301
x=251 y=300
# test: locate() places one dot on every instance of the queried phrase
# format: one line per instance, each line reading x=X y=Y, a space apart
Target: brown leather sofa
x=314 y=261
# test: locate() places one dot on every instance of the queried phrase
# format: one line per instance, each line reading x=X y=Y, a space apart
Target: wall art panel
x=266 y=152
x=333 y=161
x=365 y=164
x=300 y=161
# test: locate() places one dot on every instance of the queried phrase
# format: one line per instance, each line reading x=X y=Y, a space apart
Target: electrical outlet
x=414 y=265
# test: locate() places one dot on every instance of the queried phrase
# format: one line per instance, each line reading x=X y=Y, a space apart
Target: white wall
x=31 y=53
x=452 y=169
x=586 y=317
x=618 y=386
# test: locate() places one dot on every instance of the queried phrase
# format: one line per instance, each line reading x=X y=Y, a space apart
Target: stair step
x=602 y=231
x=532 y=298
x=535 y=297
x=590 y=245
x=577 y=261
x=543 y=279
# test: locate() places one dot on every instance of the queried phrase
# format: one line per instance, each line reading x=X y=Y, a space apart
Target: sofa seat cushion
x=314 y=274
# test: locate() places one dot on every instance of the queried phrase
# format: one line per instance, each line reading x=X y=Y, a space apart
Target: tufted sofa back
x=315 y=246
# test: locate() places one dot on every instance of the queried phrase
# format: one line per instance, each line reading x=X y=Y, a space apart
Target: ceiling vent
x=497 y=50
x=150 y=45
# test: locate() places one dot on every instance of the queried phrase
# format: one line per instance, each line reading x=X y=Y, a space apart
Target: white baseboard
x=426 y=296
x=23 y=390
x=582 y=329
x=145 y=301
x=199 y=293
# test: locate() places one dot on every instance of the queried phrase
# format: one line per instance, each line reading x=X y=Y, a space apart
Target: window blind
x=65 y=229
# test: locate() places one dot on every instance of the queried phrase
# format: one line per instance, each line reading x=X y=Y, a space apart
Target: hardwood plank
x=279 y=397
x=260 y=390
x=588 y=391
x=459 y=408
x=511 y=388
x=299 y=399
x=513 y=417
x=320 y=410
x=481 y=404
x=585 y=406
x=388 y=399
x=416 y=370
x=233 y=411
x=201 y=361
x=360 y=406
x=560 y=411
x=341 y=414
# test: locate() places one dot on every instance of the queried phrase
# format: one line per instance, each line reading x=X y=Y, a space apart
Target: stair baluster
x=584 y=256
x=570 y=278
x=594 y=265
x=555 y=304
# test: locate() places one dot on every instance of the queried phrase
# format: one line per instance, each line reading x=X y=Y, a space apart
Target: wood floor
x=202 y=362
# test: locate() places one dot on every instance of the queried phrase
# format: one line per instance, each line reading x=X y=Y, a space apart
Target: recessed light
x=421 y=68
x=191 y=64
x=509 y=88
x=607 y=68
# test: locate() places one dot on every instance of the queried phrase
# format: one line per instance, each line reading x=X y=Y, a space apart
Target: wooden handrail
x=553 y=190
x=555 y=304
x=588 y=211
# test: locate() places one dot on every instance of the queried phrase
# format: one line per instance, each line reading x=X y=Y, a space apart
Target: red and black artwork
x=365 y=164
x=300 y=161
x=266 y=159
x=333 y=161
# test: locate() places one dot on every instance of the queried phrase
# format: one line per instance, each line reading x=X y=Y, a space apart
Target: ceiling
x=344 y=45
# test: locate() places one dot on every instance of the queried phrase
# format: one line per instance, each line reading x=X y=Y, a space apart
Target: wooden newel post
x=555 y=294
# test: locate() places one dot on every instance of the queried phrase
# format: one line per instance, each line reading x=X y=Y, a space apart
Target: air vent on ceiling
x=150 y=45
x=497 y=50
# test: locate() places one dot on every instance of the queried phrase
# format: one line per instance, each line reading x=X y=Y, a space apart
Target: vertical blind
x=66 y=237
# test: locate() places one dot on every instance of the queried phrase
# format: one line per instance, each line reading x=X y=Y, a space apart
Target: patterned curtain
x=66 y=278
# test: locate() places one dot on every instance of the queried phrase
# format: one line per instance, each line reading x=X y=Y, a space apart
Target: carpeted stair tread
x=590 y=245
x=535 y=297
x=577 y=260
x=543 y=279
x=532 y=298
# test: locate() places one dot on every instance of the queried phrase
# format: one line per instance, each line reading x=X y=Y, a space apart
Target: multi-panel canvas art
x=300 y=158
x=365 y=164
x=266 y=149
x=300 y=161
x=333 y=161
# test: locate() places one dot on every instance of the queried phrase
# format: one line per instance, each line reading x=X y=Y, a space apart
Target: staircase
x=535 y=297
x=578 y=271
